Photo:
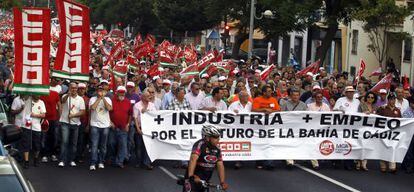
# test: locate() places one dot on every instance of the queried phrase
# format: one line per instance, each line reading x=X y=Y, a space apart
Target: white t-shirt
x=210 y=102
x=239 y=107
x=195 y=101
x=402 y=106
x=343 y=104
x=100 y=116
x=17 y=104
x=77 y=104
x=138 y=109
x=36 y=108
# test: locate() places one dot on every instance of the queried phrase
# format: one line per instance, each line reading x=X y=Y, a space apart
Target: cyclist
x=205 y=157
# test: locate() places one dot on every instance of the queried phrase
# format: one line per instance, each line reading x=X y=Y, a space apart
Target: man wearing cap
x=84 y=126
x=382 y=98
x=100 y=123
x=316 y=89
x=105 y=87
x=347 y=104
x=120 y=120
x=159 y=92
x=169 y=95
x=73 y=107
x=390 y=110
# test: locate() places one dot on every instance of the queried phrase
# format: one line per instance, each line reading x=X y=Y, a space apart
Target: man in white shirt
x=100 y=123
x=73 y=107
x=17 y=109
x=215 y=102
x=401 y=103
x=347 y=104
x=194 y=97
x=243 y=105
x=141 y=107
x=33 y=112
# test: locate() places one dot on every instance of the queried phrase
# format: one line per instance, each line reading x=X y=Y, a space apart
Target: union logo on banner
x=32 y=47
x=72 y=58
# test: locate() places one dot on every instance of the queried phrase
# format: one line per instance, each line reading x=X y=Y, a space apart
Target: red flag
x=153 y=70
x=116 y=33
x=32 y=47
x=116 y=54
x=361 y=71
x=377 y=72
x=151 y=39
x=190 y=71
x=384 y=83
x=314 y=68
x=120 y=68
x=72 y=58
x=265 y=73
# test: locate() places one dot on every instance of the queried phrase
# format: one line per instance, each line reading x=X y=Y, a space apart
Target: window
x=354 y=48
x=407 y=49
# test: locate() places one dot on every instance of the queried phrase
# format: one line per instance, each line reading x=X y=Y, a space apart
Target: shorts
x=30 y=137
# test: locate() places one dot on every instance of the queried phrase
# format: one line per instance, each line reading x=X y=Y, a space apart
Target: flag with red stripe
x=32 y=48
x=384 y=83
x=72 y=58
x=314 y=68
x=266 y=72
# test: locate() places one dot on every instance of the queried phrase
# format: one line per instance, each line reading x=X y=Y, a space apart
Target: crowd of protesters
x=99 y=121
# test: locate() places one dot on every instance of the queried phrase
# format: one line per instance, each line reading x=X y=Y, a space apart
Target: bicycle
x=207 y=186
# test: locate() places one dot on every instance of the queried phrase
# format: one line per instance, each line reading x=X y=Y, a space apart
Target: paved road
x=49 y=177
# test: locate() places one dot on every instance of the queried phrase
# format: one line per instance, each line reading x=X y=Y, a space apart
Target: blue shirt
x=166 y=100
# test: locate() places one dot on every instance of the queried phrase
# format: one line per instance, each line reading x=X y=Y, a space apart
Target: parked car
x=11 y=175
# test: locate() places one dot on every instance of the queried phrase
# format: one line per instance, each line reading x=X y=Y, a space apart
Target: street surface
x=49 y=177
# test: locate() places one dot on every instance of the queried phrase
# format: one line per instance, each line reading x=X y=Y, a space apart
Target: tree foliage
x=185 y=15
x=381 y=20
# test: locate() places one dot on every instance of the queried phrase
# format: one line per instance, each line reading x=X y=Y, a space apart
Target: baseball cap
x=166 y=82
x=309 y=73
x=104 y=81
x=383 y=91
x=349 y=89
x=222 y=78
x=316 y=87
x=121 y=89
x=81 y=85
x=205 y=75
x=130 y=84
x=106 y=67
x=155 y=78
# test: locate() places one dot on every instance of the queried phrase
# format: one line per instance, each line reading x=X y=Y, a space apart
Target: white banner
x=285 y=135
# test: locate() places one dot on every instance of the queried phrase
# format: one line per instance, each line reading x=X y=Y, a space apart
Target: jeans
x=99 y=137
x=118 y=145
x=50 y=139
x=141 y=152
x=82 y=142
x=69 y=142
x=131 y=141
